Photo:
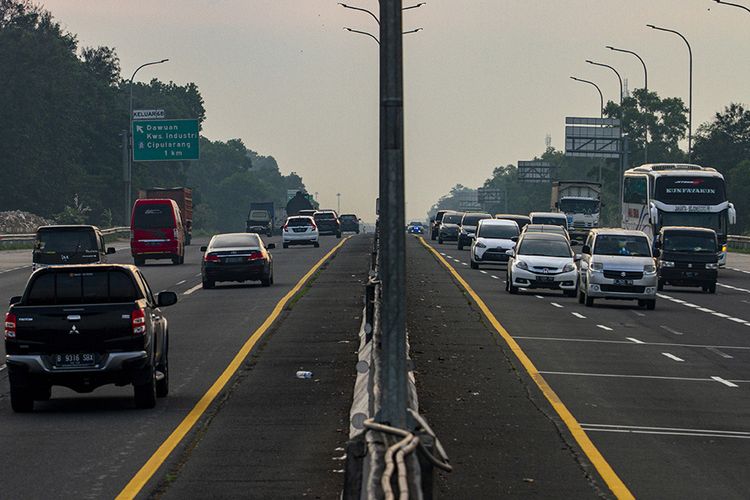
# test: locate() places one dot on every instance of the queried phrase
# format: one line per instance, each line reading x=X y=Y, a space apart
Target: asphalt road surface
x=91 y=445
x=664 y=395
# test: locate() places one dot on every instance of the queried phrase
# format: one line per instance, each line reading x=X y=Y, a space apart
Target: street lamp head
x=651 y=26
x=590 y=61
x=164 y=60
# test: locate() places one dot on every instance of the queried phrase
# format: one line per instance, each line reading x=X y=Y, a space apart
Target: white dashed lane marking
x=720 y=353
x=578 y=315
x=702 y=309
x=725 y=382
x=556 y=305
x=672 y=357
x=494 y=277
x=670 y=330
x=604 y=327
x=191 y=290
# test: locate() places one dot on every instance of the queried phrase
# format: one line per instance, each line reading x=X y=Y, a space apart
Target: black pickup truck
x=83 y=327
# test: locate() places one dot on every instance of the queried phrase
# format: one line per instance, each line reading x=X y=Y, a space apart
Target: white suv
x=493 y=238
x=617 y=264
x=300 y=230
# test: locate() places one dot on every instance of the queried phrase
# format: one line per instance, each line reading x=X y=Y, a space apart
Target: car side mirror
x=514 y=239
x=15 y=299
x=164 y=299
x=111 y=250
x=271 y=246
x=204 y=248
x=586 y=250
x=510 y=252
x=577 y=257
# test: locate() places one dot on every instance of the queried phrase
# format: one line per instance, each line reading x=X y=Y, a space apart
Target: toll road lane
x=617 y=365
x=111 y=440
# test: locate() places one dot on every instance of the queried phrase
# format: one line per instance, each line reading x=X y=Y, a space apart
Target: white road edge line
x=191 y=290
x=725 y=382
x=672 y=357
x=3 y=367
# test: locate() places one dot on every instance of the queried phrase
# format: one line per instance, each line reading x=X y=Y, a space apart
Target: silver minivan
x=617 y=264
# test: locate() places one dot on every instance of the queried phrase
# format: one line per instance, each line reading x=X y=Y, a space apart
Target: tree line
x=722 y=143
x=64 y=113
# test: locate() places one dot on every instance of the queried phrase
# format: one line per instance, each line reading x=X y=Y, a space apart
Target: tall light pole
x=645 y=87
x=619 y=78
x=601 y=109
x=690 y=91
x=338 y=203
x=129 y=179
x=722 y=2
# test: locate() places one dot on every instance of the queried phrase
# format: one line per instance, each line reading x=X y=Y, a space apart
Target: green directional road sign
x=165 y=140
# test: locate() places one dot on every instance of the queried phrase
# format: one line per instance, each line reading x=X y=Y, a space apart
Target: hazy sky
x=484 y=82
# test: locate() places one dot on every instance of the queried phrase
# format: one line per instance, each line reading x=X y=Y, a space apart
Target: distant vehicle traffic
x=299 y=230
x=236 y=257
x=581 y=204
x=542 y=260
x=183 y=196
x=328 y=222
x=617 y=264
x=415 y=227
x=689 y=256
x=676 y=194
x=493 y=239
x=300 y=202
x=435 y=223
x=449 y=227
x=349 y=223
x=468 y=227
x=546 y=228
x=83 y=327
x=157 y=231
x=554 y=218
x=260 y=218
x=67 y=245
x=310 y=212
x=521 y=220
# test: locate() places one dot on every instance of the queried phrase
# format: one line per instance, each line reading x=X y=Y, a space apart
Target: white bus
x=675 y=194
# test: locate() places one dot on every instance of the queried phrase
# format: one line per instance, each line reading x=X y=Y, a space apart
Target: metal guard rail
x=13 y=238
x=736 y=241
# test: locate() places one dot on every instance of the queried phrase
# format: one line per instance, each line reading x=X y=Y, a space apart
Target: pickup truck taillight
x=10 y=326
x=255 y=256
x=209 y=257
x=138 y=321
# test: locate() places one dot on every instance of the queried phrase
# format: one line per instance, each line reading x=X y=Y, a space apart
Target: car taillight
x=314 y=227
x=10 y=326
x=138 y=321
x=210 y=257
x=255 y=256
x=285 y=227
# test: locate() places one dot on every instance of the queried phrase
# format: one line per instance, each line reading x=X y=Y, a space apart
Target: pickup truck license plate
x=623 y=282
x=77 y=360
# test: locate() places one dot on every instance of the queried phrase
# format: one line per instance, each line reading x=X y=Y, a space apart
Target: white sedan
x=542 y=260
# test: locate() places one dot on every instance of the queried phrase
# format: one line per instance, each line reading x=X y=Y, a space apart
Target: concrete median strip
x=162 y=453
x=613 y=481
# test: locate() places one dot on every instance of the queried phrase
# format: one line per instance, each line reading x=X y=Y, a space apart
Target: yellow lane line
x=136 y=484
x=602 y=466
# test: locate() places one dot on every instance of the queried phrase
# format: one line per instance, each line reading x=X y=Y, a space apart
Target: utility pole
x=393 y=371
x=338 y=203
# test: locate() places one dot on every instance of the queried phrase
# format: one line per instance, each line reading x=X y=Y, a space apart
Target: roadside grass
x=739 y=250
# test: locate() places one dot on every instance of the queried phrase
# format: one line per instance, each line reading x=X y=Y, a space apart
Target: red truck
x=183 y=196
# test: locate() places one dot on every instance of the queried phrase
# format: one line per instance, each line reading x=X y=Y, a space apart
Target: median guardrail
x=738 y=242
x=20 y=238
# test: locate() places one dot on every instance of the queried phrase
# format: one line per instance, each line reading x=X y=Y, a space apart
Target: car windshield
x=498 y=231
x=153 y=216
x=622 y=244
x=235 y=241
x=348 y=218
x=555 y=221
x=299 y=221
x=693 y=243
x=473 y=220
x=544 y=247
x=67 y=241
x=452 y=218
x=579 y=206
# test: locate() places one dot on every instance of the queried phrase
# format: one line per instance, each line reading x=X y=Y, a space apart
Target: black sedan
x=237 y=257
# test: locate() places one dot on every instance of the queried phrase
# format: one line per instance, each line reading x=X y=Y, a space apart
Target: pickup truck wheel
x=21 y=401
x=474 y=265
x=712 y=288
x=207 y=284
x=145 y=395
x=162 y=384
x=139 y=261
x=42 y=393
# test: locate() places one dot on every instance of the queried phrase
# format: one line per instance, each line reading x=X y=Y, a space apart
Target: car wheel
x=569 y=293
x=460 y=244
x=712 y=288
x=162 y=384
x=42 y=393
x=316 y=244
x=139 y=261
x=22 y=401
x=509 y=285
x=208 y=283
x=651 y=304
x=440 y=241
x=266 y=280
x=176 y=260
x=660 y=285
x=145 y=394
x=581 y=296
x=588 y=301
x=285 y=245
x=473 y=264
x=338 y=235
x=182 y=258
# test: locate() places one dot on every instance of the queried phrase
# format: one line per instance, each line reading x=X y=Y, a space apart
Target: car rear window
x=91 y=287
x=299 y=221
x=66 y=240
x=324 y=216
x=472 y=220
x=555 y=221
x=498 y=231
x=348 y=217
x=452 y=218
x=153 y=216
x=235 y=240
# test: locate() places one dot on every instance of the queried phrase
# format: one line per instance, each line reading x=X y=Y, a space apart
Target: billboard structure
x=593 y=137
x=536 y=171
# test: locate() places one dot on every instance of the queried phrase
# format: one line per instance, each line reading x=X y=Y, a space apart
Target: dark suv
x=328 y=222
x=689 y=257
x=349 y=222
x=435 y=223
x=468 y=228
x=66 y=245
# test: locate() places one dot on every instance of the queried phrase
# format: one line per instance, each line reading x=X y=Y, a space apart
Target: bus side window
x=635 y=190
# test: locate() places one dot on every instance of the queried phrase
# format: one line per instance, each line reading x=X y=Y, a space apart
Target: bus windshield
x=690 y=190
x=579 y=206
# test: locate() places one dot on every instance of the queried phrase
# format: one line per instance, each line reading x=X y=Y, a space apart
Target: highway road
x=91 y=445
x=664 y=395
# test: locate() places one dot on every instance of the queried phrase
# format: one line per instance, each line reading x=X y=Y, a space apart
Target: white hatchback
x=493 y=239
x=300 y=230
x=542 y=260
